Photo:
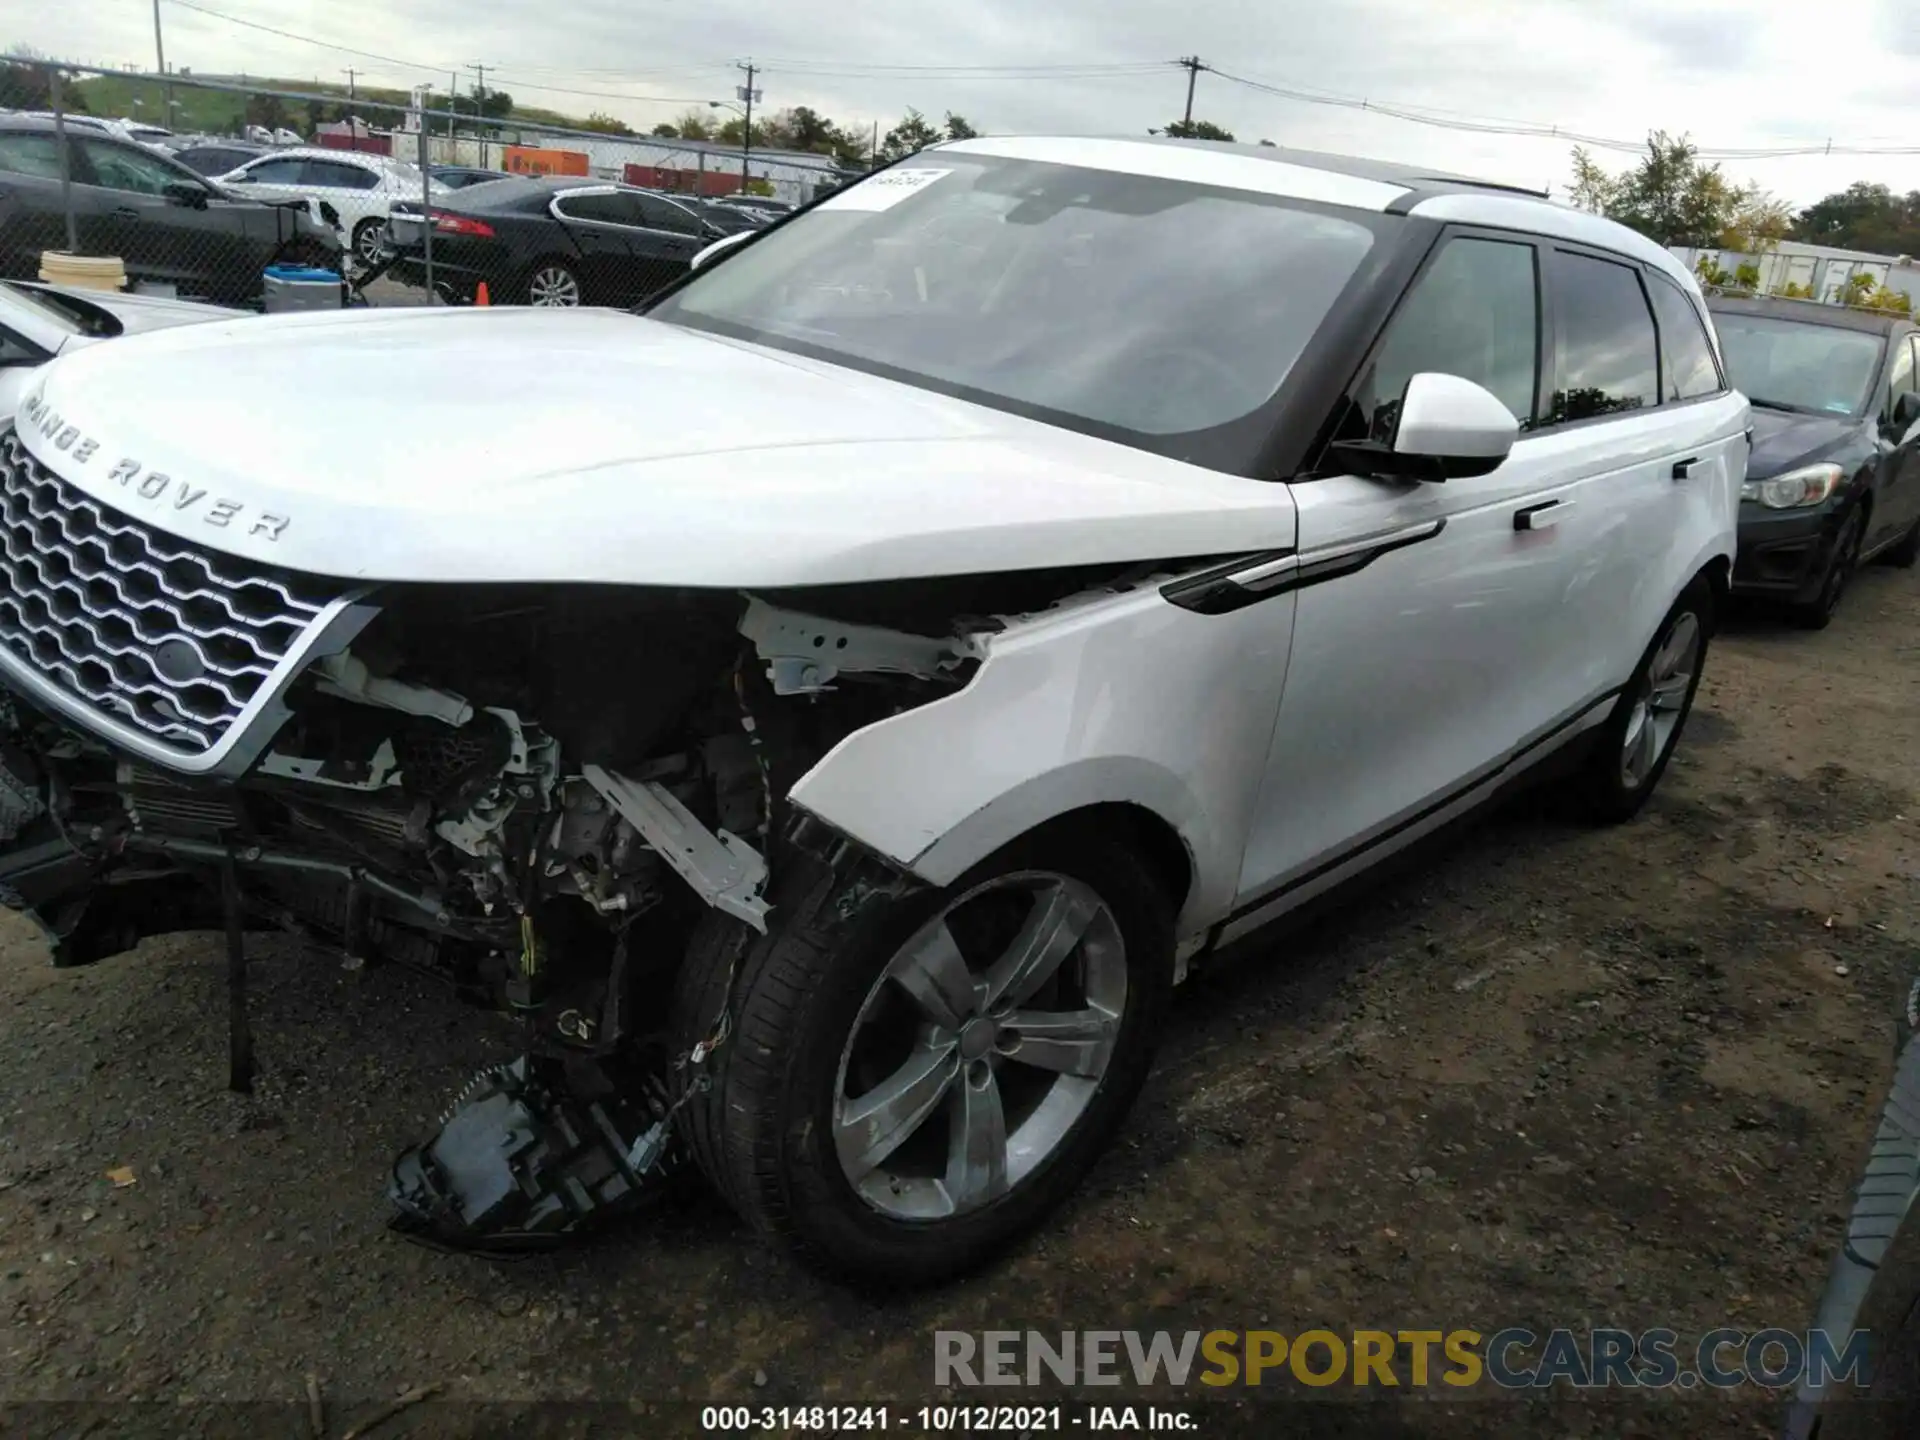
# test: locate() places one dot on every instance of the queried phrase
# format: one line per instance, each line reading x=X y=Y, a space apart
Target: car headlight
x=1809 y=485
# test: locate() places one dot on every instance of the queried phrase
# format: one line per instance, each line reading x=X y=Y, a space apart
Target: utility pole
x=748 y=94
x=350 y=72
x=160 y=55
x=1193 y=66
x=453 y=91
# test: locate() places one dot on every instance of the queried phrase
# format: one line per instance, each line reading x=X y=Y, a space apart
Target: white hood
x=519 y=444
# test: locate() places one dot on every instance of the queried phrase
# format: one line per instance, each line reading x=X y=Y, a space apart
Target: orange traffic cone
x=480 y=295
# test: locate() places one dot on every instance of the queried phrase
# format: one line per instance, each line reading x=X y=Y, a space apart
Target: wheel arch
x=1152 y=806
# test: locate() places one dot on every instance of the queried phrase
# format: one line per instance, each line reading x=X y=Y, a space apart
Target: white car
x=38 y=322
x=360 y=187
x=836 y=707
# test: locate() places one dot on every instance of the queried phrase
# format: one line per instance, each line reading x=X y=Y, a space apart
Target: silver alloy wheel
x=979 y=1047
x=367 y=242
x=553 y=285
x=1662 y=701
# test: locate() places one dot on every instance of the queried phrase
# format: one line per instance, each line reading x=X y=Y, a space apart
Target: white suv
x=836 y=707
x=360 y=187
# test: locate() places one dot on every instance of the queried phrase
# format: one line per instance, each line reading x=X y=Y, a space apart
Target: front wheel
x=908 y=1084
x=1842 y=561
x=1639 y=737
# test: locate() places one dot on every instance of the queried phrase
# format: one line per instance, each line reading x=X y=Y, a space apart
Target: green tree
x=267 y=111
x=1593 y=188
x=1194 y=130
x=666 y=130
x=605 y=125
x=693 y=125
x=912 y=135
x=958 y=128
x=26 y=87
x=1673 y=198
x=1864 y=216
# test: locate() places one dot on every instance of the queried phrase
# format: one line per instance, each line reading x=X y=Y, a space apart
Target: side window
x=1607 y=358
x=283 y=171
x=121 y=167
x=337 y=176
x=665 y=215
x=1686 y=356
x=607 y=208
x=1475 y=313
x=27 y=153
x=1901 y=379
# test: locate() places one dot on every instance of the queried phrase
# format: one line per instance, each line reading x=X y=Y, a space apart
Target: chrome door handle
x=1683 y=469
x=1541 y=517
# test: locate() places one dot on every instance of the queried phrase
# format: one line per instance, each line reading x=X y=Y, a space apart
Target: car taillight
x=460 y=225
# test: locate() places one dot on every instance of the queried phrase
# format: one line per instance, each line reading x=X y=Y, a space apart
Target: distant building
x=1825 y=268
x=698 y=167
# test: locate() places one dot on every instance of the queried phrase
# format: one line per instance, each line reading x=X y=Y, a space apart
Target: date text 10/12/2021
x=948 y=1419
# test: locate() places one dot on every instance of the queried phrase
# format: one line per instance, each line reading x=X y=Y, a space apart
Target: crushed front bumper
x=1783 y=553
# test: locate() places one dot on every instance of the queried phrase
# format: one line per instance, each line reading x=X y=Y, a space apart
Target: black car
x=1873 y=1287
x=459 y=177
x=551 y=240
x=217 y=157
x=167 y=224
x=1834 y=478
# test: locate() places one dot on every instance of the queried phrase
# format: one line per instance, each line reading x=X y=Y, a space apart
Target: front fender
x=1119 y=699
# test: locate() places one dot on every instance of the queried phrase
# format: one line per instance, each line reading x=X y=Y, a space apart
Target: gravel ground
x=1547 y=1076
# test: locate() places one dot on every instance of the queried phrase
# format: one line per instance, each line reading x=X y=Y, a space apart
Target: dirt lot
x=1552 y=1076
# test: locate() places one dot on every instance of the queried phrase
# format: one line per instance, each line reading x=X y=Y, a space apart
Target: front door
x=1447 y=634
x=1898 y=501
x=1415 y=602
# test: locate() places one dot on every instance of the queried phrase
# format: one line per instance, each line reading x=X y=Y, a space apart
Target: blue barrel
x=301 y=287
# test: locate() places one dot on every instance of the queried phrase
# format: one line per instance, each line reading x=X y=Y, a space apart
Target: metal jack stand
x=239 y=1032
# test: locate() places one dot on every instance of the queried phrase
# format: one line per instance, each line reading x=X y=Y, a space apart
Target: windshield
x=1152 y=307
x=74 y=316
x=1799 y=365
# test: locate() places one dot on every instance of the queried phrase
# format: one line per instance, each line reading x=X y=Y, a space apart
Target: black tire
x=1602 y=785
x=763 y=1133
x=1906 y=551
x=1842 y=560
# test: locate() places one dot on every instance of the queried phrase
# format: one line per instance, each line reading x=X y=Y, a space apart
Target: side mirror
x=1448 y=428
x=1906 y=410
x=718 y=248
x=182 y=193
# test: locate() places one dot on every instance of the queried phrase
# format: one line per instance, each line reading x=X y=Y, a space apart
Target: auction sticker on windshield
x=883 y=191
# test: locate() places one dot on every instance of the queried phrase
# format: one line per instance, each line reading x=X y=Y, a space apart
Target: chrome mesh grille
x=143 y=626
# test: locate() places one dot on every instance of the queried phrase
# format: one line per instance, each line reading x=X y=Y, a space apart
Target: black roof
x=1809 y=312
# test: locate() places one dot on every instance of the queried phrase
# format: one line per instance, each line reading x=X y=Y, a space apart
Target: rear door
x=604 y=224
x=672 y=236
x=1417 y=632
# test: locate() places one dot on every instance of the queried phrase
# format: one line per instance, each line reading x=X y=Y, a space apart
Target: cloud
x=1728 y=74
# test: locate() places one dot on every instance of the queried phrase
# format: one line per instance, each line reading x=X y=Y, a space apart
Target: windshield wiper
x=1778 y=405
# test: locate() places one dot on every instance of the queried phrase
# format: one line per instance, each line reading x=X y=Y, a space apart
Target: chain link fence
x=250 y=193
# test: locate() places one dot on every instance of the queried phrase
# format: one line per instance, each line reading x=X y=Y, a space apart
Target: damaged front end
x=536 y=792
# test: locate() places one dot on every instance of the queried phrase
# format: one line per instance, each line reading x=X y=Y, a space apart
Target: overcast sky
x=1731 y=74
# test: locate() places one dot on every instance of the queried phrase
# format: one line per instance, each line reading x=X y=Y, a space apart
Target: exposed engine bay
x=537 y=793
